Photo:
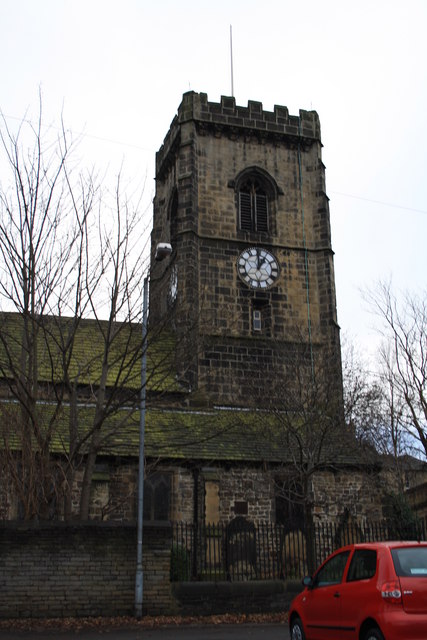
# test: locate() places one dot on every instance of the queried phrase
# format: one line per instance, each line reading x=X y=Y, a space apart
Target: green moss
x=86 y=356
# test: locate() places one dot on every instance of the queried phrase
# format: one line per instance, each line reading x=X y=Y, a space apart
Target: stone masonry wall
x=89 y=570
x=247 y=490
x=240 y=491
x=354 y=493
x=182 y=498
x=336 y=495
x=85 y=570
x=206 y=151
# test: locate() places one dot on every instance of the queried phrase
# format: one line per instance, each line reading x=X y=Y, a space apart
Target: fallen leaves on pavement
x=128 y=622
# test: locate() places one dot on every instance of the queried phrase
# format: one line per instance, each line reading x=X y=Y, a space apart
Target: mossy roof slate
x=85 y=364
x=233 y=435
x=176 y=434
x=214 y=435
x=206 y=435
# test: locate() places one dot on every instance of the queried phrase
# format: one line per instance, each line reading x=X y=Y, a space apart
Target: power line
x=387 y=204
x=82 y=134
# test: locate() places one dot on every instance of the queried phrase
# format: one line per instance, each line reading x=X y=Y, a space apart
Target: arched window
x=253 y=206
x=157 y=488
x=173 y=213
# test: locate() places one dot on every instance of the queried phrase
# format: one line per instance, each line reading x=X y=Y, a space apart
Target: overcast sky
x=117 y=71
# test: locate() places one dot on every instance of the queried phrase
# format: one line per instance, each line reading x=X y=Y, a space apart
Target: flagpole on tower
x=231 y=60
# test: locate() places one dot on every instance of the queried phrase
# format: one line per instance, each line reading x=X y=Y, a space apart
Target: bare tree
x=403 y=363
x=365 y=410
x=375 y=412
x=70 y=333
x=305 y=422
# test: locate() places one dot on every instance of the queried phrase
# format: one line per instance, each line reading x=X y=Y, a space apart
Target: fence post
x=194 y=542
x=311 y=547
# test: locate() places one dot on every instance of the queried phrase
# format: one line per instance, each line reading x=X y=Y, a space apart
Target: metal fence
x=241 y=551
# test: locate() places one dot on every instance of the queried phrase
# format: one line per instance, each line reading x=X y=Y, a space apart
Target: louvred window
x=253 y=207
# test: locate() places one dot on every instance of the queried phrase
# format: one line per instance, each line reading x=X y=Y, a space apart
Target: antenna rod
x=231 y=59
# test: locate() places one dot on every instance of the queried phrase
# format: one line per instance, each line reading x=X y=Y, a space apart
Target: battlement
x=250 y=120
x=195 y=106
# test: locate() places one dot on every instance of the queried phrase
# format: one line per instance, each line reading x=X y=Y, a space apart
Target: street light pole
x=162 y=251
x=139 y=578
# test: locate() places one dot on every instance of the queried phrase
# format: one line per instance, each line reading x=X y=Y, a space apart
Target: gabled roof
x=87 y=352
x=216 y=435
x=221 y=434
x=245 y=436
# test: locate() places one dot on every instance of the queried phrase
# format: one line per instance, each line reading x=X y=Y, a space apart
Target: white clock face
x=173 y=285
x=257 y=267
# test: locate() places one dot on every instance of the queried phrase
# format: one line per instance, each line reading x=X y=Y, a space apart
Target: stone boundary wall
x=58 y=570
x=254 y=596
x=83 y=570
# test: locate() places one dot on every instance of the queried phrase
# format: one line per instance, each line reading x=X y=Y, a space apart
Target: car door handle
x=337 y=594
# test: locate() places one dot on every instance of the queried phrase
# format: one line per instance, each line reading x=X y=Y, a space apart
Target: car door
x=358 y=592
x=322 y=607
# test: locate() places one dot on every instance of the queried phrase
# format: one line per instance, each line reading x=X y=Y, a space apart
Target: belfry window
x=253 y=206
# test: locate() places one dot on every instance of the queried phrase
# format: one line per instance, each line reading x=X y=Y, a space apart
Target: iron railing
x=243 y=551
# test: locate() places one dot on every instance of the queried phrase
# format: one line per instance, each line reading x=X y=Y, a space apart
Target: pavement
x=217 y=627
x=199 y=632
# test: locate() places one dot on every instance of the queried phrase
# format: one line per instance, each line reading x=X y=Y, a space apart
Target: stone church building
x=249 y=292
x=251 y=422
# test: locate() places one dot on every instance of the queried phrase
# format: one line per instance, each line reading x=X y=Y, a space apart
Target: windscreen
x=410 y=562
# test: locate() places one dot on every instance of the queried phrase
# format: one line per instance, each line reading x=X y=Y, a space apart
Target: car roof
x=390 y=544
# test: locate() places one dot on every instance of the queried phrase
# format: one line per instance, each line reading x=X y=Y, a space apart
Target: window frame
x=358 y=555
x=254 y=206
x=172 y=213
x=342 y=557
x=256 y=320
x=255 y=214
x=152 y=485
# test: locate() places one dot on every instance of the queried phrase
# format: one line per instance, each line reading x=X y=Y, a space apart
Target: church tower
x=240 y=195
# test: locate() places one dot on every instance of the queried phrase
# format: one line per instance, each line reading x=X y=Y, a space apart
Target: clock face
x=257 y=267
x=173 y=285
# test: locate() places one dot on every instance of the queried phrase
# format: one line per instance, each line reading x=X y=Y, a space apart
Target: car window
x=410 y=561
x=332 y=571
x=363 y=565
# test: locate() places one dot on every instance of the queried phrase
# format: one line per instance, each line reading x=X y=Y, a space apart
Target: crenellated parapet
x=226 y=117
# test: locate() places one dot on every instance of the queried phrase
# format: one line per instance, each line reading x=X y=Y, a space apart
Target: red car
x=373 y=591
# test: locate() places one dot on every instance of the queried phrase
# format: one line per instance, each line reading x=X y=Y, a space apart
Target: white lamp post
x=163 y=250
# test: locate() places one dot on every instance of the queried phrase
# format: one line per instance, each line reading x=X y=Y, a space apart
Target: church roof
x=87 y=352
x=216 y=435
x=238 y=435
x=233 y=435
